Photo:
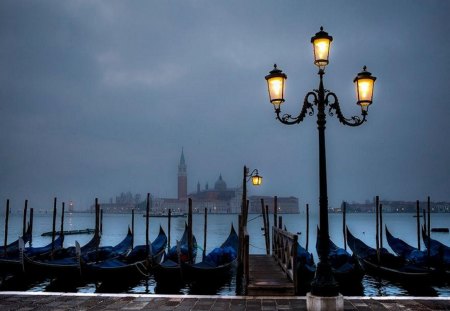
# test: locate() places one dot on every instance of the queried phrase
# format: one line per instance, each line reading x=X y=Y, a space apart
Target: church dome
x=220 y=184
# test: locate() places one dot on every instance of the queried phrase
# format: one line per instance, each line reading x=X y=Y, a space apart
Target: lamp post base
x=318 y=303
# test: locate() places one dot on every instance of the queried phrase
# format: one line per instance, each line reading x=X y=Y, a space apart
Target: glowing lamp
x=256 y=180
x=321 y=43
x=364 y=83
x=275 y=83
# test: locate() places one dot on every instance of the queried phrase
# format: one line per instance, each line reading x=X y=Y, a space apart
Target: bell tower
x=182 y=178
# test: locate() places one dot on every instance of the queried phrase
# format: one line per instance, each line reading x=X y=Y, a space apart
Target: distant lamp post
x=256 y=181
x=323 y=284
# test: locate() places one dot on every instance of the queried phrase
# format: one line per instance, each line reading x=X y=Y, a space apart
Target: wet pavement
x=28 y=301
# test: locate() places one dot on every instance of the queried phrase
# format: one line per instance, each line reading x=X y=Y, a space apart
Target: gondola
x=68 y=267
x=389 y=266
x=217 y=265
x=406 y=251
x=12 y=263
x=168 y=273
x=134 y=266
x=346 y=268
x=439 y=253
x=13 y=247
x=306 y=267
x=107 y=252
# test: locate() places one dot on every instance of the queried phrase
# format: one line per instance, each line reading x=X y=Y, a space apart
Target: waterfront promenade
x=35 y=301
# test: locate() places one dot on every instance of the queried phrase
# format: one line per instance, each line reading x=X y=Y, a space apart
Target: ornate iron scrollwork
x=352 y=121
x=307 y=105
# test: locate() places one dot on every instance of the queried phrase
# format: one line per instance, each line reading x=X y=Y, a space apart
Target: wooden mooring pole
x=418 y=223
x=429 y=216
x=205 y=228
x=244 y=197
x=190 y=238
x=377 y=233
x=307 y=227
x=31 y=225
x=132 y=228
x=267 y=228
x=263 y=212
x=428 y=225
x=24 y=226
x=97 y=225
x=96 y=217
x=101 y=221
x=344 y=213
x=6 y=226
x=275 y=211
x=169 y=218
x=147 y=216
x=62 y=221
x=54 y=224
x=381 y=226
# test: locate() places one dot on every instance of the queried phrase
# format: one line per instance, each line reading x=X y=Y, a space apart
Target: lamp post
x=256 y=181
x=323 y=283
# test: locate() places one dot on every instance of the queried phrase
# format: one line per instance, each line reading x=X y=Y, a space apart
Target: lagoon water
x=115 y=227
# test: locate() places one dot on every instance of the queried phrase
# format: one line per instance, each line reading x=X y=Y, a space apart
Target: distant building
x=124 y=203
x=220 y=199
x=182 y=178
x=396 y=207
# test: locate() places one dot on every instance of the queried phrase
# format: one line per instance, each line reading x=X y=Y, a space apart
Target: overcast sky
x=100 y=97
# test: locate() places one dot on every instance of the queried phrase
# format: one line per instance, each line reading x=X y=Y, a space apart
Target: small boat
x=12 y=263
x=65 y=264
x=71 y=232
x=133 y=266
x=443 y=230
x=13 y=247
x=217 y=265
x=168 y=273
x=345 y=267
x=387 y=265
x=172 y=215
x=404 y=250
x=439 y=253
x=107 y=252
x=436 y=259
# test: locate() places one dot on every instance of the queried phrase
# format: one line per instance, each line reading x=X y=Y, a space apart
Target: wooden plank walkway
x=266 y=278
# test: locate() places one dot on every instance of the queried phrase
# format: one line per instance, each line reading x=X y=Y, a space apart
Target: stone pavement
x=28 y=301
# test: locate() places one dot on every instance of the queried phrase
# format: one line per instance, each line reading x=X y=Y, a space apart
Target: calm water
x=115 y=228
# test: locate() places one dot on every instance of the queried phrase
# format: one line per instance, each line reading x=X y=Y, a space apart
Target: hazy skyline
x=100 y=97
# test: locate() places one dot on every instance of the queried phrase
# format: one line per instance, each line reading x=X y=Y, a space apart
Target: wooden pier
x=268 y=275
x=267 y=278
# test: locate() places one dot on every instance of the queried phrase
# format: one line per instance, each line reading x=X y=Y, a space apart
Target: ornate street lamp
x=323 y=284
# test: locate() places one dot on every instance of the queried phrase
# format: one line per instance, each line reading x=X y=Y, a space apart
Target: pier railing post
x=294 y=264
x=247 y=258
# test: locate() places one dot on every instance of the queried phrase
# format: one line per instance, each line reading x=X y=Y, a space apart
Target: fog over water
x=99 y=98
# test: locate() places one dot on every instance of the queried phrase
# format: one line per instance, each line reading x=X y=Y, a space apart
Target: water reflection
x=381 y=287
